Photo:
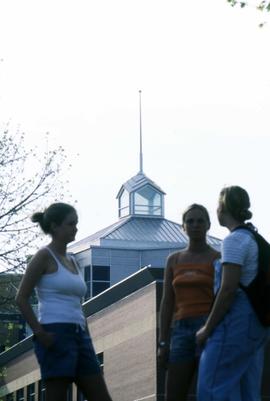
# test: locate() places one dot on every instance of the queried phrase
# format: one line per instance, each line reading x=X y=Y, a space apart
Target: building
x=141 y=237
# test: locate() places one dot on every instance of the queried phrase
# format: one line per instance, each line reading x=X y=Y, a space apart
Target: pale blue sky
x=74 y=68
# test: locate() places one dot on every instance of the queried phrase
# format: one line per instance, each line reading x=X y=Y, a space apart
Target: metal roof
x=139 y=180
x=148 y=230
x=139 y=232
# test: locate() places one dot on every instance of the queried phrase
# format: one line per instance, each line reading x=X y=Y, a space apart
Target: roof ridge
x=174 y=222
x=95 y=234
x=121 y=222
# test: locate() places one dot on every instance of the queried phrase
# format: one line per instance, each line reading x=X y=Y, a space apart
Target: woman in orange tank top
x=186 y=301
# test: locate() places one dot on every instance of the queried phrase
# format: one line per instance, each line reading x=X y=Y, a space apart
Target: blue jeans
x=183 y=342
x=232 y=360
x=71 y=355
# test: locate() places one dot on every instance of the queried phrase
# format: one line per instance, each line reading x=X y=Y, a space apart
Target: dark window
x=41 y=391
x=80 y=396
x=69 y=392
x=98 y=287
x=87 y=275
x=97 y=279
x=87 y=279
x=100 y=358
x=10 y=397
x=101 y=273
x=20 y=395
x=31 y=392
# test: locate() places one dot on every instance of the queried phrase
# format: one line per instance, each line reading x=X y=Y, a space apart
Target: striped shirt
x=193 y=289
x=240 y=248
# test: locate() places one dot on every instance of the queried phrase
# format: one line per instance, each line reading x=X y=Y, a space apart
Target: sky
x=74 y=69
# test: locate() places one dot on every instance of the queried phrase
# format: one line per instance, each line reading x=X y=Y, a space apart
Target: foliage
x=9 y=334
x=261 y=5
x=28 y=183
x=3 y=373
x=8 y=288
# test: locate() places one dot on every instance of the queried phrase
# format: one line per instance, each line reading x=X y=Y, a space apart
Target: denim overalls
x=232 y=360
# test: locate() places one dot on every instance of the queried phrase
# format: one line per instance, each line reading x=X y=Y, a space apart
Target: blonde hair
x=235 y=200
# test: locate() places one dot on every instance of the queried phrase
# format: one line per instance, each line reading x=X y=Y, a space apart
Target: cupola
x=140 y=196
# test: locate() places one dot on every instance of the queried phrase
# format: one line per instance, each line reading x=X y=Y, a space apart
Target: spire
x=140 y=196
x=141 y=155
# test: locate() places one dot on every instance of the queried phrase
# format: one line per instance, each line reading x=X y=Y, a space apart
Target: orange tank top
x=193 y=289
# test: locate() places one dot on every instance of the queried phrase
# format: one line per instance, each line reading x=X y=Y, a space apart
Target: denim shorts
x=183 y=346
x=71 y=355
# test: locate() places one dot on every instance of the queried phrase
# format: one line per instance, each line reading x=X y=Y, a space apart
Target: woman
x=187 y=298
x=231 y=363
x=62 y=343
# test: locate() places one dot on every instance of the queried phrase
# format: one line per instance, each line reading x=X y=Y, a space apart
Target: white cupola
x=140 y=196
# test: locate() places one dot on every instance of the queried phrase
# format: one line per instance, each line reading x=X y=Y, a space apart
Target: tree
x=261 y=5
x=28 y=183
x=9 y=283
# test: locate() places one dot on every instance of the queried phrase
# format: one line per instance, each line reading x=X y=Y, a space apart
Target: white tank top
x=60 y=295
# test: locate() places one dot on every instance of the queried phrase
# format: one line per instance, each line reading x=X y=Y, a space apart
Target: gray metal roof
x=139 y=232
x=136 y=182
x=148 y=229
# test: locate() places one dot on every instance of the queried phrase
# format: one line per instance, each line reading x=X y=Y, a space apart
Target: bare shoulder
x=39 y=261
x=41 y=254
x=176 y=257
x=35 y=269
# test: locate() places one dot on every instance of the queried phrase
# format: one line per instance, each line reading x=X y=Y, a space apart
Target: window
x=147 y=201
x=69 y=392
x=80 y=396
x=31 y=392
x=41 y=391
x=100 y=358
x=124 y=204
x=10 y=397
x=99 y=287
x=87 y=279
x=20 y=394
x=100 y=279
x=97 y=279
x=101 y=273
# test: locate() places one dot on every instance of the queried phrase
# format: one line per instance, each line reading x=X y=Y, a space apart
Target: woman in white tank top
x=62 y=342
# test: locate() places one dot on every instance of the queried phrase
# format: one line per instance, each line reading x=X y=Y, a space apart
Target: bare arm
x=229 y=284
x=167 y=304
x=33 y=273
